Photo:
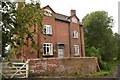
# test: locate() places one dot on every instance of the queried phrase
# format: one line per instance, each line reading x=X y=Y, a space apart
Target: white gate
x=15 y=70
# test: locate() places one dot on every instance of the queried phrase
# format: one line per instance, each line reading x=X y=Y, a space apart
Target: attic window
x=74 y=20
x=48 y=12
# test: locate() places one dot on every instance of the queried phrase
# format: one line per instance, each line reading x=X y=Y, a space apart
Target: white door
x=60 y=53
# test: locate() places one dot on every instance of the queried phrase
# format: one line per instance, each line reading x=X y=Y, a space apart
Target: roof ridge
x=62 y=14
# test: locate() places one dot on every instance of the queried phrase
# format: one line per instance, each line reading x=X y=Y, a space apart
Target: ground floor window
x=76 y=49
x=48 y=49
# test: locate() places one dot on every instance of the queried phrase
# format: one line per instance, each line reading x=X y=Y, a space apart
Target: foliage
x=8 y=20
x=22 y=21
x=41 y=51
x=92 y=51
x=102 y=73
x=93 y=75
x=117 y=37
x=100 y=41
x=104 y=65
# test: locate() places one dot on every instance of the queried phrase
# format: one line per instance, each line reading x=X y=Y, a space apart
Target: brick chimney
x=73 y=12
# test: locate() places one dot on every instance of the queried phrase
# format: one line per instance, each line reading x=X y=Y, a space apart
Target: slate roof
x=61 y=17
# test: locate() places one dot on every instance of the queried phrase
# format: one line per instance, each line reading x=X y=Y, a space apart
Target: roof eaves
x=62 y=20
x=72 y=16
x=49 y=7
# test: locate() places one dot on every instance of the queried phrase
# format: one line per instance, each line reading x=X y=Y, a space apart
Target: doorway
x=60 y=51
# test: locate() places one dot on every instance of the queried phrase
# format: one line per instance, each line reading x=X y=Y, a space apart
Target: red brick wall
x=65 y=66
x=83 y=45
x=75 y=41
x=60 y=33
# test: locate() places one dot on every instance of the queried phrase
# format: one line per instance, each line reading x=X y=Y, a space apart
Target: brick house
x=63 y=36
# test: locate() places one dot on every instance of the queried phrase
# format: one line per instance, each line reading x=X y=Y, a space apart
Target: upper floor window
x=48 y=49
x=47 y=29
x=48 y=12
x=74 y=20
x=76 y=49
x=75 y=34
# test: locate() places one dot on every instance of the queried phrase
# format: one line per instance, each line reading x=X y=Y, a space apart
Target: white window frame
x=48 y=46
x=75 y=34
x=47 y=30
x=74 y=20
x=48 y=12
x=76 y=49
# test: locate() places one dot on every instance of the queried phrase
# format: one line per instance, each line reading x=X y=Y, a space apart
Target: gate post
x=27 y=69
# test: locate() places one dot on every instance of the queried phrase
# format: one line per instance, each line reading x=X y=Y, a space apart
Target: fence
x=15 y=70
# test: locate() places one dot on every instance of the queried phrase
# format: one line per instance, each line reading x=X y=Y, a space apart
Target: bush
x=104 y=65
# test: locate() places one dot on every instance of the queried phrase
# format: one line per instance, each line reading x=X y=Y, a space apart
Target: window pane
x=75 y=34
x=44 y=30
x=50 y=30
x=51 y=49
x=44 y=50
x=47 y=50
x=76 y=48
x=44 y=45
x=47 y=45
x=47 y=29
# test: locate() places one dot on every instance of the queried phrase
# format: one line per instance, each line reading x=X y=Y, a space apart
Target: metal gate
x=15 y=70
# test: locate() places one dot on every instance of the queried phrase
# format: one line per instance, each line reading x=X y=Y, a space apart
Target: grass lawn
x=94 y=75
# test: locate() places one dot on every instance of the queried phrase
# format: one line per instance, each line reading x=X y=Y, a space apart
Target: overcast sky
x=83 y=7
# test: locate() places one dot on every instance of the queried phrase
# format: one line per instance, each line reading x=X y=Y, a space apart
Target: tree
x=100 y=41
x=8 y=22
x=18 y=20
x=117 y=39
x=99 y=35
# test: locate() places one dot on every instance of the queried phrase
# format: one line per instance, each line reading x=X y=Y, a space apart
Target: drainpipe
x=81 y=41
x=38 y=52
x=69 y=39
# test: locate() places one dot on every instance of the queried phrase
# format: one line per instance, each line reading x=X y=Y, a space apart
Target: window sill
x=48 y=34
x=75 y=38
x=47 y=55
x=76 y=55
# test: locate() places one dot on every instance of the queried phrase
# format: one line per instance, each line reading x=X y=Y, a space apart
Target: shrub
x=104 y=65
